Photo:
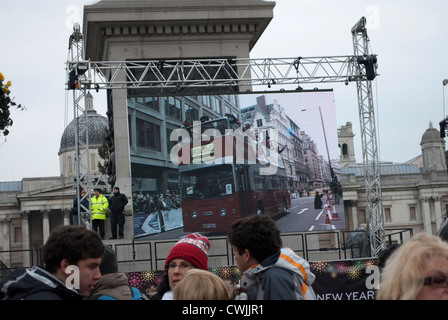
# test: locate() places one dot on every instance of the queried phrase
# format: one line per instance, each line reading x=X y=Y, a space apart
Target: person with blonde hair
x=200 y=284
x=417 y=270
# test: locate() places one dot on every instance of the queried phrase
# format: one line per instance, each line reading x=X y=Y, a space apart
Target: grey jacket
x=282 y=276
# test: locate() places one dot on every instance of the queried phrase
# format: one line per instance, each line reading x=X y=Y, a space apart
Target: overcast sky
x=409 y=37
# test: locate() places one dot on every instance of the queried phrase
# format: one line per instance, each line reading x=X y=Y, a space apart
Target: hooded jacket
x=35 y=283
x=282 y=276
x=114 y=285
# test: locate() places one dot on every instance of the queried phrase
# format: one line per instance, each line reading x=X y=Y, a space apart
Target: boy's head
x=256 y=234
x=74 y=246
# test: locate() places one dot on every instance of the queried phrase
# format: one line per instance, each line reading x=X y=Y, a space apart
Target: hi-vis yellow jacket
x=98 y=207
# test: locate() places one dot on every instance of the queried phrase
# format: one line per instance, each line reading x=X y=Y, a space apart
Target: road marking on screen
x=320 y=213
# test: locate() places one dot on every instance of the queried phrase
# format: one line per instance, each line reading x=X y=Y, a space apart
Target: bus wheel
x=260 y=208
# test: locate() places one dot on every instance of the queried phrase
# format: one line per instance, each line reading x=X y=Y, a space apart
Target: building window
x=412 y=214
x=228 y=110
x=18 y=235
x=216 y=105
x=150 y=102
x=70 y=165
x=344 y=150
x=259 y=122
x=173 y=107
x=148 y=135
x=191 y=114
x=387 y=215
x=205 y=100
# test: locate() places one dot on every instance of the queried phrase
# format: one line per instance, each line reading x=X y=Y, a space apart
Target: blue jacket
x=84 y=202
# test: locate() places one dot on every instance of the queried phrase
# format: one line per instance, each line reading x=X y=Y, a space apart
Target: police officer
x=99 y=204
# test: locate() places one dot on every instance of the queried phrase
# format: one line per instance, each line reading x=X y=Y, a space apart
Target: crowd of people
x=78 y=266
x=149 y=203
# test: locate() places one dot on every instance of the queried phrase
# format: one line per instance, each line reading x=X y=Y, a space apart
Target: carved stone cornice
x=5 y=220
x=25 y=214
x=66 y=212
x=45 y=213
x=155 y=19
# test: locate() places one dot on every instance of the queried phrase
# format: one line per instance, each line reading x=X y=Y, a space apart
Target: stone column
x=355 y=214
x=45 y=224
x=122 y=155
x=426 y=215
x=25 y=215
x=66 y=213
x=438 y=212
x=6 y=256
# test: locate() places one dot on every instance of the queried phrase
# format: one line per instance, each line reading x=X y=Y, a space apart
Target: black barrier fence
x=151 y=255
x=312 y=246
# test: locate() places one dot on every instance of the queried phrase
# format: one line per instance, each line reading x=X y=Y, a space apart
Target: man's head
x=253 y=239
x=74 y=246
x=97 y=191
x=116 y=190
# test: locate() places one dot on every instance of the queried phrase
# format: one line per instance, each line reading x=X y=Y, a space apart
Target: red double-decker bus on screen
x=226 y=174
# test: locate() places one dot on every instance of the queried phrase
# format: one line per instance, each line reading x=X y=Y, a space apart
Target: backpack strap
x=136 y=294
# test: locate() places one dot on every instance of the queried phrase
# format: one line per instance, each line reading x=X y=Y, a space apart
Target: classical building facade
x=413 y=196
x=31 y=208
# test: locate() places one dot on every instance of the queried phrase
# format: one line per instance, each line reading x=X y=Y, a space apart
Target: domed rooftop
x=97 y=126
x=431 y=135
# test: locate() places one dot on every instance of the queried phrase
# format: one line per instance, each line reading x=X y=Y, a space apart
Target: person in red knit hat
x=188 y=253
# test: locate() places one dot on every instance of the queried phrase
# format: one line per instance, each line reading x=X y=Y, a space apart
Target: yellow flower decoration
x=6 y=102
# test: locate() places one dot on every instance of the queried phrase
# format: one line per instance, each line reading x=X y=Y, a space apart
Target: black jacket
x=117 y=202
x=35 y=284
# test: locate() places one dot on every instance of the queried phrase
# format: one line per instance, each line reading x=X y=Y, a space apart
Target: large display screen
x=198 y=163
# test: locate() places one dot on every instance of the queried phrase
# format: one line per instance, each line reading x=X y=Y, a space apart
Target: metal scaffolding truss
x=82 y=158
x=244 y=74
x=366 y=109
x=222 y=72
